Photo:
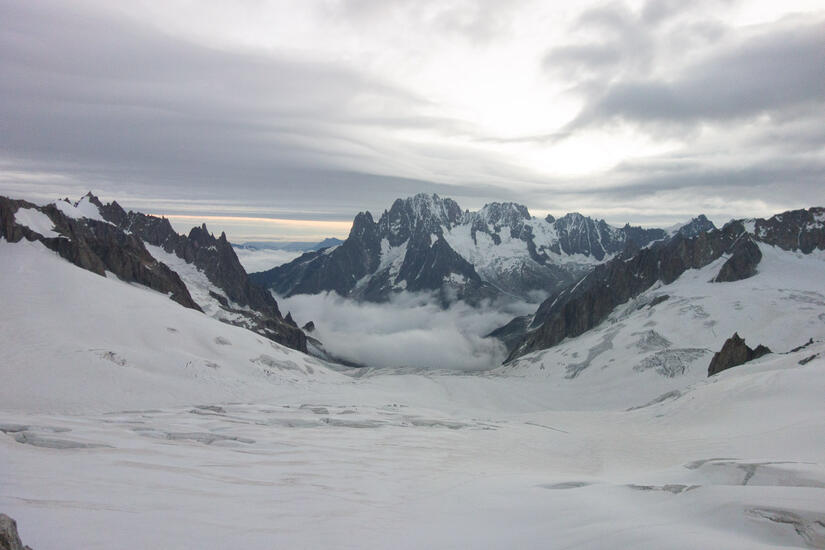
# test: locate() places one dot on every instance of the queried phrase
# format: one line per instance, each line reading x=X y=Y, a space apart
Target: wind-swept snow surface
x=115 y=432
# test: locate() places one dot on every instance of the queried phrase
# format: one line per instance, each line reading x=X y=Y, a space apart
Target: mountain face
x=105 y=238
x=92 y=244
x=579 y=308
x=427 y=243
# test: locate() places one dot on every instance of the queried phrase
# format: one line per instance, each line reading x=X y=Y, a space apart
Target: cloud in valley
x=409 y=331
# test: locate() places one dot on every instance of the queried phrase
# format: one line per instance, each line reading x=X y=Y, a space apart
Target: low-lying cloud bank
x=253 y=259
x=409 y=331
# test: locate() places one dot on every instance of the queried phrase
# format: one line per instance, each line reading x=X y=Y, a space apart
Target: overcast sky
x=282 y=119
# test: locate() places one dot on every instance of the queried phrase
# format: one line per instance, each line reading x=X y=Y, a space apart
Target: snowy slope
x=130 y=422
x=73 y=340
x=432 y=461
x=84 y=208
x=643 y=351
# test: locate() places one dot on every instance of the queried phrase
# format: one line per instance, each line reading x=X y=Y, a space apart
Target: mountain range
x=428 y=243
x=586 y=268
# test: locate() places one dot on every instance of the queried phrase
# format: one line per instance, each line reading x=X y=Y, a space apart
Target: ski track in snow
x=165 y=428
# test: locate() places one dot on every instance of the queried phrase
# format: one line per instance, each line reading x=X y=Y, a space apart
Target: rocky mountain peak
x=362 y=224
x=92 y=199
x=504 y=214
x=579 y=234
x=699 y=224
x=428 y=212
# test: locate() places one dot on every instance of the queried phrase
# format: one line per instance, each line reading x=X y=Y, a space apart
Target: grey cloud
x=767 y=73
x=612 y=42
x=671 y=189
x=578 y=58
x=479 y=21
x=101 y=99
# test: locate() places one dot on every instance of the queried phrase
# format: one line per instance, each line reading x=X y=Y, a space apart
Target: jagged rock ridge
x=113 y=240
x=584 y=305
x=427 y=243
x=97 y=246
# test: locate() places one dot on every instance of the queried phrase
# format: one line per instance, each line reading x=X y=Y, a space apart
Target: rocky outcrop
x=742 y=263
x=9 y=537
x=734 y=352
x=99 y=247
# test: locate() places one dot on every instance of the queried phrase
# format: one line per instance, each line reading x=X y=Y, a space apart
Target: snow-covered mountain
x=427 y=243
x=659 y=342
x=581 y=307
x=198 y=271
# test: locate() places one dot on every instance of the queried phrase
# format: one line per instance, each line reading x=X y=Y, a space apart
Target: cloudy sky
x=282 y=119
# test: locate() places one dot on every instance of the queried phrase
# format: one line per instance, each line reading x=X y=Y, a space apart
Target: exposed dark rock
x=309 y=327
x=803 y=346
x=587 y=303
x=512 y=333
x=638 y=236
x=808 y=359
x=9 y=537
x=98 y=247
x=699 y=224
x=734 y=352
x=217 y=259
x=742 y=263
x=802 y=230
x=658 y=300
x=582 y=235
x=430 y=263
x=118 y=247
